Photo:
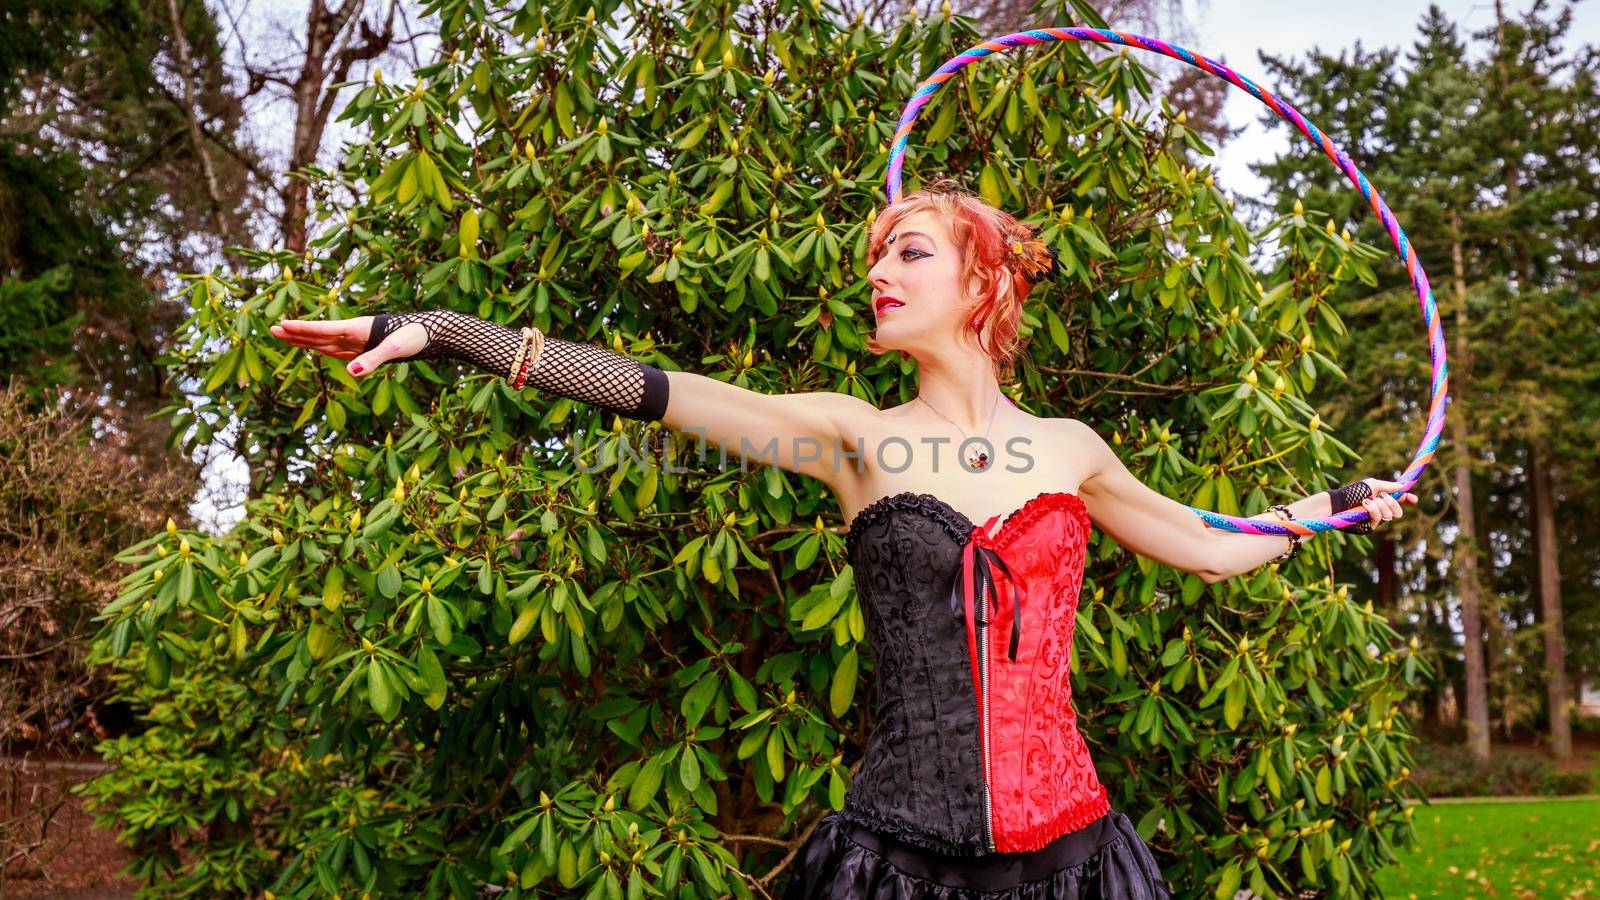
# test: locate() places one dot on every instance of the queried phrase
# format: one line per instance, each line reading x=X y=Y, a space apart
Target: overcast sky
x=1235 y=31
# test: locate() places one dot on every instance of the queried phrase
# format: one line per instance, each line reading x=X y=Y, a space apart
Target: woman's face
x=921 y=269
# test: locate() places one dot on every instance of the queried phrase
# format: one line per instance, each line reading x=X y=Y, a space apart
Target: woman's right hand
x=347 y=339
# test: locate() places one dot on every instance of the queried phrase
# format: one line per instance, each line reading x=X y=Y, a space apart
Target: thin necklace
x=979 y=459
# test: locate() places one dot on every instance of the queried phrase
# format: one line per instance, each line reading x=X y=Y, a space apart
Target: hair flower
x=1038 y=260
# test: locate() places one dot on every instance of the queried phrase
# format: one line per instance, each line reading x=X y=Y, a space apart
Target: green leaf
x=1324 y=786
x=432 y=675
x=743 y=691
x=1058 y=331
x=645 y=784
x=698 y=699
x=380 y=519
x=844 y=684
x=836 y=790
x=389 y=582
x=989 y=185
x=523 y=625
x=382 y=697
x=692 y=139
x=689 y=769
x=775 y=753
x=719 y=196
x=1091 y=236
x=1228 y=886
x=1233 y=703
x=944 y=124
x=439 y=620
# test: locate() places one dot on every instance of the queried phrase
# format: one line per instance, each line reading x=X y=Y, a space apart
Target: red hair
x=983 y=237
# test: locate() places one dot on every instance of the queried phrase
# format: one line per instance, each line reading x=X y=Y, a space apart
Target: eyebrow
x=906 y=234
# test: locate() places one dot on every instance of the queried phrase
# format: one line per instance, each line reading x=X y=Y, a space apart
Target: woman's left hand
x=1380 y=506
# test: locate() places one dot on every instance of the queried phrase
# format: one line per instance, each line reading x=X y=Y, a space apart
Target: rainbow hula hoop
x=1419 y=278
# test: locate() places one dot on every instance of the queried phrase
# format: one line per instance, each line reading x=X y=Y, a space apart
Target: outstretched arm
x=1168 y=532
x=799 y=432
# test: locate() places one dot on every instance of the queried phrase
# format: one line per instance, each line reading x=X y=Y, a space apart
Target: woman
x=975 y=781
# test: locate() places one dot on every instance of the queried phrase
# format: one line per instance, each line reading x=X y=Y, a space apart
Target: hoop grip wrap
x=1440 y=394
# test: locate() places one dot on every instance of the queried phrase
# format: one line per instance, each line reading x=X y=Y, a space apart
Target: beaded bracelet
x=516 y=361
x=534 y=344
x=1294 y=539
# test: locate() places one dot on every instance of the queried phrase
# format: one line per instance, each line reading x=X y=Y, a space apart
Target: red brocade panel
x=1043 y=783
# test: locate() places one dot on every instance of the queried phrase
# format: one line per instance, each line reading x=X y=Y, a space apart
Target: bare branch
x=186 y=76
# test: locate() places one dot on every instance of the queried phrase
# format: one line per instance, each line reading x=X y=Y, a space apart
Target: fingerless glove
x=1349 y=496
x=577 y=371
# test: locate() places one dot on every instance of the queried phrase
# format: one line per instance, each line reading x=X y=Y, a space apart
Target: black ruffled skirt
x=1104 y=860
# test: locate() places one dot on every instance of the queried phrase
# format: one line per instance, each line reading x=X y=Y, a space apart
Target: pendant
x=980 y=461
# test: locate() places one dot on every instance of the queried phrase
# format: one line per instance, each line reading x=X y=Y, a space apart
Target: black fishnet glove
x=577 y=371
x=1349 y=496
x=453 y=335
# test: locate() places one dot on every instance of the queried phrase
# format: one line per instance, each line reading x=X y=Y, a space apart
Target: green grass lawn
x=1536 y=849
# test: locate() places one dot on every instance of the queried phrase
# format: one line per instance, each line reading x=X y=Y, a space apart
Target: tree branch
x=185 y=74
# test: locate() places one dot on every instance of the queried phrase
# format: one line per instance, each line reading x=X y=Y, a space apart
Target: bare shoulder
x=853 y=418
x=1082 y=436
x=1086 y=444
x=847 y=407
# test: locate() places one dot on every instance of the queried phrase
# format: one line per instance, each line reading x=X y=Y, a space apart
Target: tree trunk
x=1475 y=710
x=1388 y=577
x=331 y=50
x=1555 y=642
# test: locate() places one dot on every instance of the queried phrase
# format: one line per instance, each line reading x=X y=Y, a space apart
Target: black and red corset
x=975 y=747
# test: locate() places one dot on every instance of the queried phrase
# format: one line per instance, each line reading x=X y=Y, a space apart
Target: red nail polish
x=356 y=369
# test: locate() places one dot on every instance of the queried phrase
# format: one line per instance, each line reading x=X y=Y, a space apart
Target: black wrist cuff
x=653 y=405
x=380 y=330
x=1349 y=496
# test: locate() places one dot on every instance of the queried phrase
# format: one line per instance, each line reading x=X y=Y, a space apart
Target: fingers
x=1382 y=508
x=1392 y=506
x=342 y=337
x=1385 y=488
x=331 y=348
x=309 y=329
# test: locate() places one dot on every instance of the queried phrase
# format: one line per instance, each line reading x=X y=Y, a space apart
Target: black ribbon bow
x=976 y=572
